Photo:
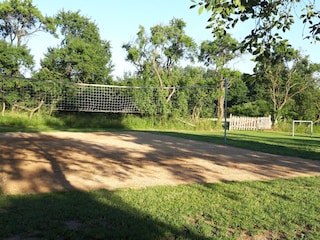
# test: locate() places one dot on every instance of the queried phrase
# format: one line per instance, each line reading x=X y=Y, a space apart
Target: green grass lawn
x=265 y=141
x=279 y=209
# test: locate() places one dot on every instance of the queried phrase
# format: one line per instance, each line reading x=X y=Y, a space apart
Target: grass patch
x=263 y=141
x=279 y=209
x=81 y=121
x=61 y=122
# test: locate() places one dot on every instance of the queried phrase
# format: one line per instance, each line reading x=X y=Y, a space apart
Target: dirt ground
x=55 y=161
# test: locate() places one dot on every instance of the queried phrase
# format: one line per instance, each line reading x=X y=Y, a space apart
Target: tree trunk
x=3 y=108
x=220 y=112
x=155 y=68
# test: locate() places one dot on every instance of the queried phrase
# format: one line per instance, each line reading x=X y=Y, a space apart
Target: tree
x=82 y=56
x=287 y=74
x=12 y=58
x=270 y=18
x=238 y=92
x=306 y=105
x=156 y=56
x=216 y=55
x=19 y=19
x=159 y=52
x=258 y=102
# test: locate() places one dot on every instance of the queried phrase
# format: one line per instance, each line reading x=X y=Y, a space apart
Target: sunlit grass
x=264 y=141
x=279 y=209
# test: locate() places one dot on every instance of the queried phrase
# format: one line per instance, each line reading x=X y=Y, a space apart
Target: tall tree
x=287 y=74
x=160 y=51
x=19 y=19
x=156 y=55
x=82 y=55
x=269 y=19
x=306 y=105
x=12 y=60
x=216 y=55
x=258 y=103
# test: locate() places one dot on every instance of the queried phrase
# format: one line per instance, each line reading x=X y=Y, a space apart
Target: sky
x=119 y=21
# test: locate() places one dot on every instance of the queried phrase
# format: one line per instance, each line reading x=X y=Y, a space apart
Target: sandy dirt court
x=55 y=161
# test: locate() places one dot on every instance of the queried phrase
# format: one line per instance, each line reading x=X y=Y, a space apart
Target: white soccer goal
x=307 y=129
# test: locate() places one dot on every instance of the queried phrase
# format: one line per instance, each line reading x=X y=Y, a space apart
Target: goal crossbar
x=302 y=121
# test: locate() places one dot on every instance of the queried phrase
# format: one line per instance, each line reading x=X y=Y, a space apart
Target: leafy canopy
x=12 y=58
x=286 y=74
x=219 y=52
x=270 y=18
x=160 y=50
x=82 y=55
x=20 y=19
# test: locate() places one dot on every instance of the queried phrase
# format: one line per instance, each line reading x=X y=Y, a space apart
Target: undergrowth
x=98 y=122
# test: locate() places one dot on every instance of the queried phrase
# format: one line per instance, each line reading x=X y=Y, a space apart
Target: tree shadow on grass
x=293 y=146
x=273 y=144
x=80 y=215
x=258 y=163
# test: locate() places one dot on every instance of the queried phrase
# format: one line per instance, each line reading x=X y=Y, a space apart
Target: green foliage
x=190 y=96
x=215 y=55
x=286 y=74
x=157 y=53
x=13 y=58
x=19 y=94
x=306 y=105
x=219 y=52
x=258 y=108
x=80 y=121
x=301 y=129
x=20 y=19
x=73 y=25
x=82 y=55
x=237 y=92
x=271 y=19
x=187 y=102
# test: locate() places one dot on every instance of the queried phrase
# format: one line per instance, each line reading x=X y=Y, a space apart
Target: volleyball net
x=30 y=94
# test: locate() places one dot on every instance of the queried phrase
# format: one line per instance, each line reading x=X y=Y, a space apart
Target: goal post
x=302 y=121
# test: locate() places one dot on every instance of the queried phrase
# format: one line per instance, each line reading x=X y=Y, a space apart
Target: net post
x=225 y=108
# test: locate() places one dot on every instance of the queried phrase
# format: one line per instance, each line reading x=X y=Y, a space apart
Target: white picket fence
x=249 y=123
